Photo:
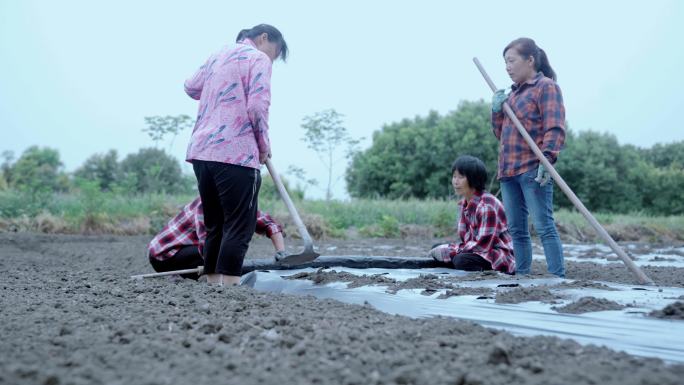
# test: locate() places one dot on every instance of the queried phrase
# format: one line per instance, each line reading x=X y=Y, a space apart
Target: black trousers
x=468 y=261
x=229 y=198
x=187 y=257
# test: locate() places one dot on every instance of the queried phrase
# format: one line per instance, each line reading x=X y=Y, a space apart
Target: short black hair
x=473 y=169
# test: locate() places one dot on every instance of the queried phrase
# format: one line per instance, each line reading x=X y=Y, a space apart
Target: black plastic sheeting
x=356 y=262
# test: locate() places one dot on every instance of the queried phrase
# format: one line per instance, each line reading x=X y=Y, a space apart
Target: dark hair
x=274 y=36
x=473 y=169
x=526 y=47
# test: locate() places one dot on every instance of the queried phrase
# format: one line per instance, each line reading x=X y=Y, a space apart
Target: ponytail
x=543 y=65
x=274 y=36
x=526 y=47
x=242 y=35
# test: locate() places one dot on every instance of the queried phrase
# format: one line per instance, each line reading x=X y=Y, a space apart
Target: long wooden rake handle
x=303 y=232
x=199 y=270
x=643 y=278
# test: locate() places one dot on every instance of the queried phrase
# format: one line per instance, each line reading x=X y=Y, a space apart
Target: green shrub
x=444 y=223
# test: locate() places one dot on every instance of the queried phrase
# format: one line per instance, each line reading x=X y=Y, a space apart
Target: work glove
x=279 y=255
x=498 y=99
x=543 y=176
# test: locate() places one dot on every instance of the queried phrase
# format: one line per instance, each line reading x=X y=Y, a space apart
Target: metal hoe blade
x=306 y=256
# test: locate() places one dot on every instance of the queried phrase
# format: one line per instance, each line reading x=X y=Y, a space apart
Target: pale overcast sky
x=79 y=76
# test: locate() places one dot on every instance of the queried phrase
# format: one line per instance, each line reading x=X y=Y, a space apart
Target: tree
x=665 y=186
x=269 y=192
x=299 y=175
x=153 y=170
x=413 y=158
x=604 y=175
x=666 y=155
x=325 y=134
x=103 y=169
x=159 y=126
x=6 y=167
x=38 y=172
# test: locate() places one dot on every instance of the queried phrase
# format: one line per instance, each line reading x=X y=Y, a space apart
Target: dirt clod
x=526 y=294
x=671 y=311
x=588 y=304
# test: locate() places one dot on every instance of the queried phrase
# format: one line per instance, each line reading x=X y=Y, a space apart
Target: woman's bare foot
x=223 y=280
x=230 y=280
x=213 y=278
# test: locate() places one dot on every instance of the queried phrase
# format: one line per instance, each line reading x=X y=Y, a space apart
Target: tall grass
x=622 y=227
x=364 y=212
x=88 y=208
x=374 y=217
x=116 y=206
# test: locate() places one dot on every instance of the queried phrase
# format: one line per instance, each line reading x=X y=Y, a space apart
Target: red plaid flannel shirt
x=483 y=230
x=538 y=104
x=187 y=229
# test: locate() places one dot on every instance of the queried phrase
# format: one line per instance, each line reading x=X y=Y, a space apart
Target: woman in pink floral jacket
x=230 y=142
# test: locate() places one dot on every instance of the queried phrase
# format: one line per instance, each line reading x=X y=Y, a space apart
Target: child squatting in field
x=180 y=244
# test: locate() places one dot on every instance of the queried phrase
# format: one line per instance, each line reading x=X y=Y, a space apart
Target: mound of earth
x=322 y=276
x=671 y=311
x=430 y=284
x=588 y=304
x=582 y=284
x=526 y=294
x=484 y=292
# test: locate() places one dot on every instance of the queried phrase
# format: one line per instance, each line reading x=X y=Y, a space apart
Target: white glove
x=543 y=176
x=279 y=255
x=439 y=252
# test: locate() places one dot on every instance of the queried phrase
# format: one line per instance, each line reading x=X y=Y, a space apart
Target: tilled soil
x=71 y=315
x=618 y=273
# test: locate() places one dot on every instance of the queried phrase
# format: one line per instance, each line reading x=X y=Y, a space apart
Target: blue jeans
x=523 y=196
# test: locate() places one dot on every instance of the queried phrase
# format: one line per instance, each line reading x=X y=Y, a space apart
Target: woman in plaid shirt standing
x=526 y=186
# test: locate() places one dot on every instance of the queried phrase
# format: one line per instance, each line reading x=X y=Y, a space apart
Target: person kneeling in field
x=179 y=245
x=485 y=242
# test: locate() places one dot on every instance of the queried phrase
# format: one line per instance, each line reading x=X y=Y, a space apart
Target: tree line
x=39 y=170
x=38 y=173
x=407 y=159
x=412 y=159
